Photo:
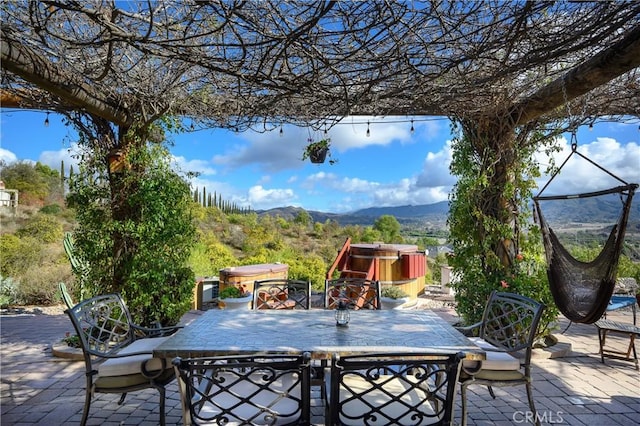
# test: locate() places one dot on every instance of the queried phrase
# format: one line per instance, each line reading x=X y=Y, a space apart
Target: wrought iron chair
x=393 y=388
x=118 y=353
x=358 y=293
x=248 y=390
x=507 y=333
x=278 y=293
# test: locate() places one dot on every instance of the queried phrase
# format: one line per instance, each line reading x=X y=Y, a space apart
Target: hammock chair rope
x=582 y=290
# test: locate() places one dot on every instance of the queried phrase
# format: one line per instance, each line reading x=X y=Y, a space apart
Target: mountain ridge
x=586 y=210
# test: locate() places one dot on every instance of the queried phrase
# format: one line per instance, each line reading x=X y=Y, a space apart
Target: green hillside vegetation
x=34 y=261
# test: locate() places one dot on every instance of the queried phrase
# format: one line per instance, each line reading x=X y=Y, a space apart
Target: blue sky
x=391 y=167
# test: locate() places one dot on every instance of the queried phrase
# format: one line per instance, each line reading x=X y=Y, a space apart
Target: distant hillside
x=405 y=214
x=440 y=209
x=588 y=210
x=584 y=210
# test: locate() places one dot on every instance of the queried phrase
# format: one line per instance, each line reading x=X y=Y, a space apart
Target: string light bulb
x=46 y=121
x=590 y=126
x=368 y=130
x=281 y=131
x=412 y=130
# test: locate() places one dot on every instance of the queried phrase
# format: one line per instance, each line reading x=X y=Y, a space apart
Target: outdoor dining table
x=220 y=332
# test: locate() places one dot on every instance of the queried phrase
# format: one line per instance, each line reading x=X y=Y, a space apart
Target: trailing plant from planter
x=318 y=151
x=231 y=292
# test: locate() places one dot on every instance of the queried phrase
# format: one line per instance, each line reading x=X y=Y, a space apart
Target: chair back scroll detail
x=393 y=388
x=510 y=321
x=357 y=293
x=103 y=324
x=279 y=293
x=248 y=390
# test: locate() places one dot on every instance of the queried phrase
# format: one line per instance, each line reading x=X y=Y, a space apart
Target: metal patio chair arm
x=468 y=330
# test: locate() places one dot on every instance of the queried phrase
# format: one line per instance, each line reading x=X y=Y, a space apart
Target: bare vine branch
x=237 y=64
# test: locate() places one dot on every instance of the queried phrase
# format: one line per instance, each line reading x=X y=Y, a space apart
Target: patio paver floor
x=576 y=389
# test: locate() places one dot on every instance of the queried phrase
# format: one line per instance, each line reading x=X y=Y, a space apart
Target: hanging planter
x=319 y=155
x=317 y=152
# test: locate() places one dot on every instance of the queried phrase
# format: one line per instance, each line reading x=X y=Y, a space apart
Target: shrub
x=39 y=286
x=53 y=209
x=8 y=292
x=42 y=227
x=393 y=292
x=18 y=254
x=150 y=228
x=209 y=255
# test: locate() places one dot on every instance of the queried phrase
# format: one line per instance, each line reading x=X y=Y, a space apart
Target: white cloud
x=198 y=166
x=53 y=158
x=354 y=185
x=260 y=198
x=352 y=133
x=406 y=192
x=7 y=156
x=318 y=179
x=435 y=171
x=269 y=151
x=579 y=175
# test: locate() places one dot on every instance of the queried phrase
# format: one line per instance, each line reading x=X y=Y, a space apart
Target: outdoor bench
x=629 y=330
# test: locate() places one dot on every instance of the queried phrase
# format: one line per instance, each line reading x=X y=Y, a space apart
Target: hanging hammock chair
x=582 y=290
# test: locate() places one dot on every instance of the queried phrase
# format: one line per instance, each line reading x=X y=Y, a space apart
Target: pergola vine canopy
x=236 y=64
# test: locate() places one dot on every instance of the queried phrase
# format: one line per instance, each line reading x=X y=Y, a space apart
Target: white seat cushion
x=133 y=364
x=288 y=409
x=413 y=396
x=501 y=361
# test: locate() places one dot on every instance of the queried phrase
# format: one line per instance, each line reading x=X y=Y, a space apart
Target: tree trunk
x=494 y=144
x=122 y=184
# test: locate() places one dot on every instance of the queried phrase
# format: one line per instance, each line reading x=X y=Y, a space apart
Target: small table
x=220 y=332
x=629 y=330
